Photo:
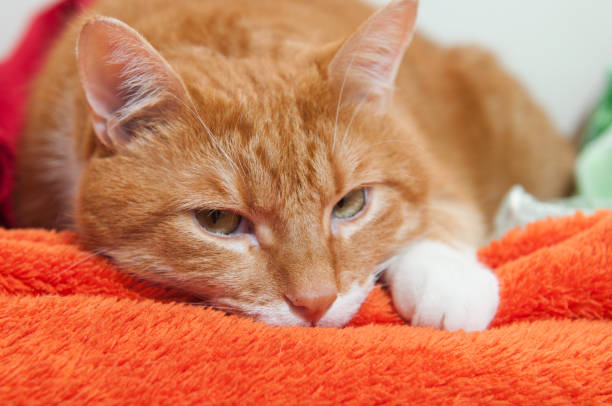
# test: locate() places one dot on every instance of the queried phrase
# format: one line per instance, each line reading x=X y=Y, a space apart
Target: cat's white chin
x=339 y=314
x=436 y=285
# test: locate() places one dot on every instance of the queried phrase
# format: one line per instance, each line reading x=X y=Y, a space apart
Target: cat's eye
x=222 y=222
x=350 y=205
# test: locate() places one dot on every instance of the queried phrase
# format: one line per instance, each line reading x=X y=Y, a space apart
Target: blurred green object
x=594 y=168
x=601 y=119
x=594 y=163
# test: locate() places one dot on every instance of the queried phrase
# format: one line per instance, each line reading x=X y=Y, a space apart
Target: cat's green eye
x=218 y=221
x=350 y=205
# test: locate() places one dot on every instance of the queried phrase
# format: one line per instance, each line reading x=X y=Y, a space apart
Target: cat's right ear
x=365 y=66
x=122 y=74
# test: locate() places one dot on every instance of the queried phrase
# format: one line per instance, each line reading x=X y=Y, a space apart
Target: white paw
x=435 y=285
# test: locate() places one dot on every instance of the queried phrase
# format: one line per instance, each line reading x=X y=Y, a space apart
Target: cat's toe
x=436 y=285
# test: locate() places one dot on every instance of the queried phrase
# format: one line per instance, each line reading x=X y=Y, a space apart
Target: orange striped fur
x=275 y=110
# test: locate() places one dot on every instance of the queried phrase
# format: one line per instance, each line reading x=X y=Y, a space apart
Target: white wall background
x=561 y=49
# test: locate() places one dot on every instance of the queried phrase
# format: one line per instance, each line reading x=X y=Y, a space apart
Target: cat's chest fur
x=278 y=117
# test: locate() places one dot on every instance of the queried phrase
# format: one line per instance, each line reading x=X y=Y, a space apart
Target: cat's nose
x=311 y=307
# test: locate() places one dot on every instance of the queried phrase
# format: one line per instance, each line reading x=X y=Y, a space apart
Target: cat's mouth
x=280 y=313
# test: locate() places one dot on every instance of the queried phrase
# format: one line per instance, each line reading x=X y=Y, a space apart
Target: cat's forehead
x=266 y=159
x=252 y=78
x=274 y=135
x=282 y=159
x=273 y=95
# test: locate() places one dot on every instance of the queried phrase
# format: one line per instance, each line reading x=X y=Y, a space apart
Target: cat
x=278 y=157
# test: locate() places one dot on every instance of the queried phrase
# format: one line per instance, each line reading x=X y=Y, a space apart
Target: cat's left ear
x=123 y=76
x=365 y=66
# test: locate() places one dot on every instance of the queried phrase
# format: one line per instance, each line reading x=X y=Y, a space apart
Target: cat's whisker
x=340 y=103
x=212 y=306
x=95 y=253
x=344 y=80
x=239 y=160
x=355 y=112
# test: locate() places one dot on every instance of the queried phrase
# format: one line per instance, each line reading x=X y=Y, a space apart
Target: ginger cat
x=275 y=157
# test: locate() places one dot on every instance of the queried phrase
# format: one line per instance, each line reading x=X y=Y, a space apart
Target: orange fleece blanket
x=76 y=330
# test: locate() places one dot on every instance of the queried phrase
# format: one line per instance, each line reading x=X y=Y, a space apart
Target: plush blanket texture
x=76 y=330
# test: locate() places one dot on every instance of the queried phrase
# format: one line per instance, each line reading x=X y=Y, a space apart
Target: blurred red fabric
x=16 y=74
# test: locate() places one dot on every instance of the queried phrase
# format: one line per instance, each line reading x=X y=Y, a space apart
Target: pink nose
x=311 y=307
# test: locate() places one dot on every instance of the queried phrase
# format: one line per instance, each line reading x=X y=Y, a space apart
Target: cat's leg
x=437 y=281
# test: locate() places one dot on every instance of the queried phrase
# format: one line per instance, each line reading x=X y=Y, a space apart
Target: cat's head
x=276 y=188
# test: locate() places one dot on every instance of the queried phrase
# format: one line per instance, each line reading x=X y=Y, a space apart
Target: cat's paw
x=436 y=285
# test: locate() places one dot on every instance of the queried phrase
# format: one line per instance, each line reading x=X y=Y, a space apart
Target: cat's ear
x=122 y=74
x=365 y=66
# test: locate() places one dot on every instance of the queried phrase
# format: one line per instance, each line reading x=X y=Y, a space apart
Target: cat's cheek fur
x=436 y=285
x=347 y=304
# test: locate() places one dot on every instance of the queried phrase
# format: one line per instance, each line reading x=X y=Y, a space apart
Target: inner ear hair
x=124 y=78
